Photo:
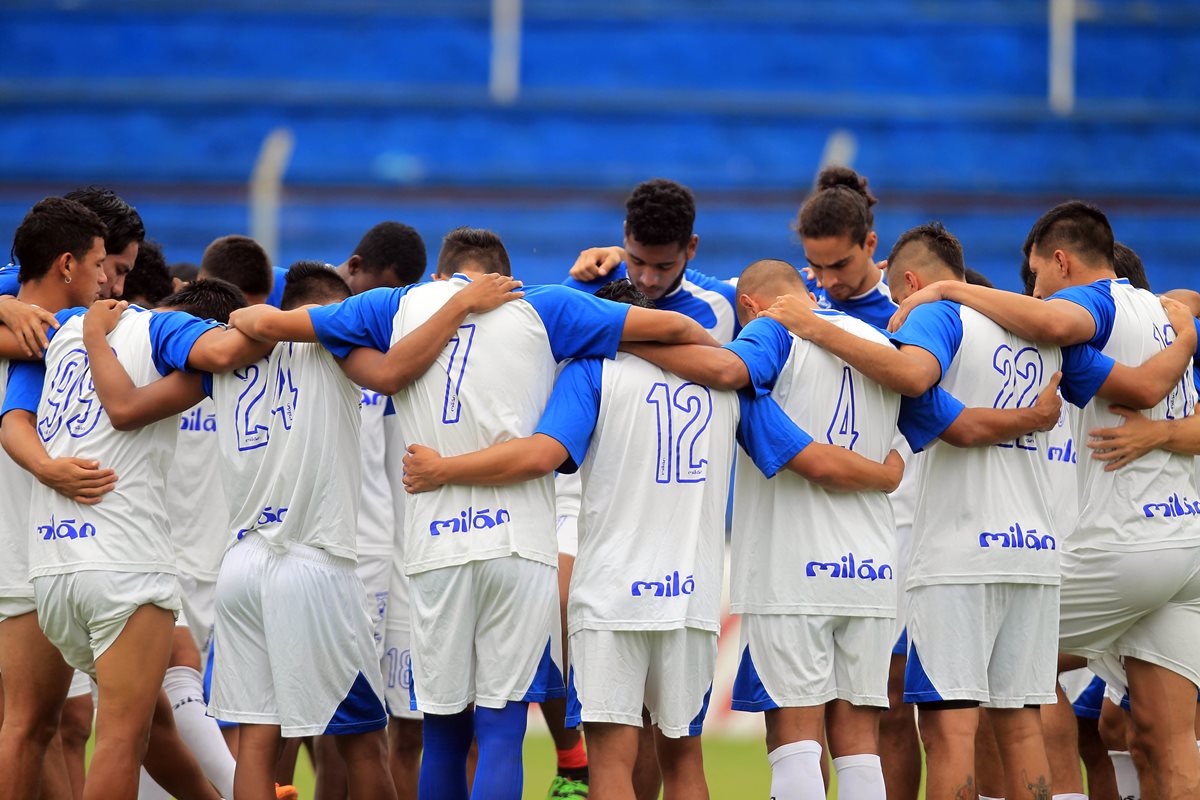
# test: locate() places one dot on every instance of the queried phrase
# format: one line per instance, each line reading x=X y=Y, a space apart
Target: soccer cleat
x=564 y=788
x=286 y=793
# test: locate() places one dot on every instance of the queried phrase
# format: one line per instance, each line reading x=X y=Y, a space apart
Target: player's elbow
x=966 y=433
x=122 y=418
x=730 y=375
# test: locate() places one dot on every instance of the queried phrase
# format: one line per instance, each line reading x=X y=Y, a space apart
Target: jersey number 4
x=693 y=403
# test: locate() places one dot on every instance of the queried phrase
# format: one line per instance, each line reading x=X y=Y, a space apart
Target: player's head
x=312 y=283
x=922 y=255
x=623 y=291
x=1128 y=265
x=241 y=261
x=62 y=242
x=977 y=278
x=472 y=251
x=390 y=254
x=124 y=237
x=762 y=282
x=1069 y=245
x=837 y=231
x=659 y=242
x=149 y=281
x=207 y=298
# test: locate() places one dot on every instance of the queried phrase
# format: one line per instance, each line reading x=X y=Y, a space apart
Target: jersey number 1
x=695 y=402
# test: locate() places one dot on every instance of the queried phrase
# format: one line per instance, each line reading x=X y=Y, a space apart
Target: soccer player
x=241 y=261
x=123 y=240
x=148 y=282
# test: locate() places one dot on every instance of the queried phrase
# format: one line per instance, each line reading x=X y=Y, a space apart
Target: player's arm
x=1188 y=297
x=596 y=262
x=1138 y=435
x=23 y=331
x=222 y=350
x=979 y=427
x=714 y=367
x=412 y=355
x=515 y=461
x=1146 y=385
x=1059 y=322
x=840 y=470
x=268 y=324
x=129 y=406
x=666 y=327
x=75 y=478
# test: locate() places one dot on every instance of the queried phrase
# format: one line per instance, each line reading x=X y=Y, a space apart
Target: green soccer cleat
x=563 y=788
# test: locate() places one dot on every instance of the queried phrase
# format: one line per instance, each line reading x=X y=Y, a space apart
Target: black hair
x=208 y=298
x=241 y=261
x=472 y=246
x=52 y=227
x=977 y=278
x=149 y=278
x=622 y=290
x=122 y=220
x=312 y=282
x=1077 y=227
x=186 y=271
x=659 y=212
x=938 y=241
x=840 y=206
x=1127 y=264
x=393 y=246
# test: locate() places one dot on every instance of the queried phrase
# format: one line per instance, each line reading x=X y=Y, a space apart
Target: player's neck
x=44 y=294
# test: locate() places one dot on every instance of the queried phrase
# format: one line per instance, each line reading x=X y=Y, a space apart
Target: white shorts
x=903 y=549
x=375 y=572
x=396 y=662
x=615 y=673
x=567 y=529
x=11 y=607
x=485 y=632
x=993 y=643
x=1143 y=605
x=199 y=609
x=83 y=613
x=802 y=660
x=81 y=684
x=1085 y=691
x=293 y=644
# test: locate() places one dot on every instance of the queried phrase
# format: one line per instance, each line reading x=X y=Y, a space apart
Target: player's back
x=196 y=503
x=16 y=485
x=655 y=484
x=842 y=558
x=1151 y=502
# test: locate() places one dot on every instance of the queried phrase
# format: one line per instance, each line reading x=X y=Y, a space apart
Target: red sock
x=574 y=758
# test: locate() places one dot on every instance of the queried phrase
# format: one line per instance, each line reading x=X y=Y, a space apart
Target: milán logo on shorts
x=1015 y=537
x=470 y=519
x=66 y=529
x=849 y=568
x=1173 y=506
x=669 y=586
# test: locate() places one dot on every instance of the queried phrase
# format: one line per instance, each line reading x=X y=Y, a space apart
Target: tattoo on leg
x=1039 y=788
x=967 y=790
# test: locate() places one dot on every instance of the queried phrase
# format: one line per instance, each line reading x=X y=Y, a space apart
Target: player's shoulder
x=697 y=281
x=852 y=324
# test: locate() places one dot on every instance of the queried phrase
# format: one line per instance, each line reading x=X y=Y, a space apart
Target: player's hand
x=1181 y=319
x=246 y=320
x=489 y=291
x=420 y=469
x=792 y=313
x=1130 y=441
x=28 y=323
x=810 y=274
x=930 y=294
x=1048 y=406
x=103 y=316
x=894 y=464
x=596 y=262
x=77 y=479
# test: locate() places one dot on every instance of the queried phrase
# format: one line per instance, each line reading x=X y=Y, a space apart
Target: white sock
x=149 y=790
x=1069 y=796
x=987 y=797
x=198 y=730
x=1127 y=780
x=859 y=777
x=796 y=772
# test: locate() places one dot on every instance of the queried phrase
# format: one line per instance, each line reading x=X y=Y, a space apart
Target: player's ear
x=691 y=246
x=354 y=264
x=911 y=281
x=871 y=242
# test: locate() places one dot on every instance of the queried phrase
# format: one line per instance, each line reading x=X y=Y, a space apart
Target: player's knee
x=76 y=723
x=362 y=747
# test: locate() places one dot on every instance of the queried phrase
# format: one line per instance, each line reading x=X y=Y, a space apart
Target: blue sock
x=500 y=733
x=447 y=740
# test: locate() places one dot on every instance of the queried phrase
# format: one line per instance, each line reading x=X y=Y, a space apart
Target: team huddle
x=383 y=514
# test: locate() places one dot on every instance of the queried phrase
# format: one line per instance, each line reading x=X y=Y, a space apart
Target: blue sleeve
x=935 y=327
x=1084 y=371
x=1196 y=357
x=364 y=320
x=25 y=380
x=1096 y=298
x=923 y=419
x=172 y=335
x=279 y=281
x=577 y=324
x=8 y=279
x=572 y=410
x=764 y=346
x=768 y=435
x=389 y=408
x=206 y=382
x=592 y=286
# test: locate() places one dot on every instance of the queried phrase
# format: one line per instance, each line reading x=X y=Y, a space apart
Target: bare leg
x=899 y=745
x=404 y=755
x=647 y=778
x=614 y=750
x=366 y=760
x=75 y=729
x=1164 y=736
x=285 y=769
x=1102 y=780
x=852 y=729
x=682 y=762
x=170 y=762
x=36 y=681
x=330 y=769
x=1062 y=745
x=989 y=768
x=258 y=748
x=949 y=737
x=1023 y=752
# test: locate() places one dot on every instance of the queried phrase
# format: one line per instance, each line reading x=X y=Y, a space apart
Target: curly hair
x=660 y=212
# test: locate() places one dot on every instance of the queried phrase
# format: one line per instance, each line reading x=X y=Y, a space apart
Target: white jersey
x=489 y=384
x=1150 y=504
x=291 y=450
x=1063 y=491
x=797 y=548
x=375 y=516
x=983 y=515
x=16 y=485
x=655 y=482
x=129 y=531
x=196 y=501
